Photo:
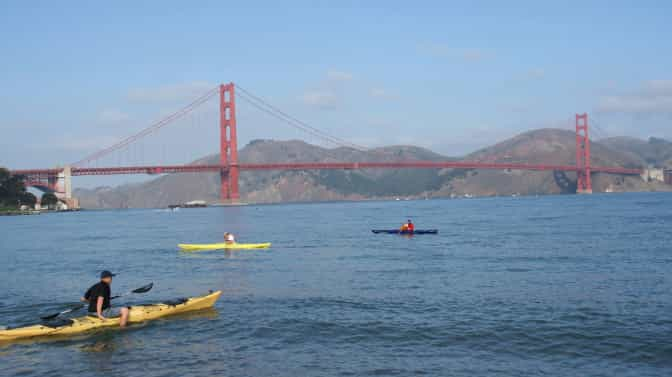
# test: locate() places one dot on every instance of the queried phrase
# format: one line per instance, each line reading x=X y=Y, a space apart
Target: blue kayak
x=397 y=231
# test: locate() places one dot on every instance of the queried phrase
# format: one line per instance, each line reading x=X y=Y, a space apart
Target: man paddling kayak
x=408 y=227
x=98 y=297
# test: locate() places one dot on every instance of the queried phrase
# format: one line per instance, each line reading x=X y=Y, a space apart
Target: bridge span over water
x=59 y=179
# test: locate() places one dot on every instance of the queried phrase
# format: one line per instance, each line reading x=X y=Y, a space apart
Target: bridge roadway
x=170 y=169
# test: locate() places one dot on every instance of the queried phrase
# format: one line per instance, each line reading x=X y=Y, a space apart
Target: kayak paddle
x=143 y=289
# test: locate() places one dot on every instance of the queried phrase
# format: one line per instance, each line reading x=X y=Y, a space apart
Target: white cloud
x=654 y=97
x=536 y=73
x=112 y=116
x=170 y=93
x=636 y=104
x=474 y=55
x=435 y=49
x=339 y=76
x=86 y=144
x=659 y=87
x=381 y=93
x=328 y=93
x=320 y=98
x=440 y=50
x=517 y=107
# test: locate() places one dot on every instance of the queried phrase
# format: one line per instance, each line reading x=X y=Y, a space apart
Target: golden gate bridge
x=229 y=167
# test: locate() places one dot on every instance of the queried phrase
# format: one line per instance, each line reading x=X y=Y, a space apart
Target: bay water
x=529 y=286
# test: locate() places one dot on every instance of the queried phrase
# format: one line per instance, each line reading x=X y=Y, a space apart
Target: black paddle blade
x=72 y=309
x=144 y=289
x=51 y=316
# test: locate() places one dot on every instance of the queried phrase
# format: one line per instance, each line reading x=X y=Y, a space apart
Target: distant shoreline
x=252 y=204
x=18 y=212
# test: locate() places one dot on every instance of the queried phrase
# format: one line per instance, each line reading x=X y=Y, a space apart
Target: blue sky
x=451 y=76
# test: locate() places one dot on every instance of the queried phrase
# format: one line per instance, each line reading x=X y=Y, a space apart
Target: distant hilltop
x=543 y=146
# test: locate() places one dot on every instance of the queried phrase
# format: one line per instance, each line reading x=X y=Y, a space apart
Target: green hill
x=550 y=146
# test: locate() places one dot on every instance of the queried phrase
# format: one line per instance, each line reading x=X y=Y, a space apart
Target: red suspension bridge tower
x=228 y=146
x=583 y=183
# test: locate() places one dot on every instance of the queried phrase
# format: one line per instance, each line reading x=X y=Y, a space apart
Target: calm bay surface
x=534 y=286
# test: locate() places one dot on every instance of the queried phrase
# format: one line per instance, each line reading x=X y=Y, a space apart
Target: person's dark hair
x=106 y=274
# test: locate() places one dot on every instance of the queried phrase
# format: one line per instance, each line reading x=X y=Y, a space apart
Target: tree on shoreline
x=28 y=199
x=49 y=200
x=13 y=190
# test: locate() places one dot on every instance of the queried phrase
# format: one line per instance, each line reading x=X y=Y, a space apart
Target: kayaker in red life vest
x=98 y=297
x=408 y=227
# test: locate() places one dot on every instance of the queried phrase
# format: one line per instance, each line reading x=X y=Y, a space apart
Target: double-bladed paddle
x=142 y=289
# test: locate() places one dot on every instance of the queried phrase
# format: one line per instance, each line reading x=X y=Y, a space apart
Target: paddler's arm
x=86 y=296
x=99 y=307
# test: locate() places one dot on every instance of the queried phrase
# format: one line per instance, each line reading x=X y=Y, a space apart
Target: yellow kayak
x=137 y=314
x=219 y=246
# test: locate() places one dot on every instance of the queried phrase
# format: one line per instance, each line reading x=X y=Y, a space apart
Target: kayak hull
x=398 y=231
x=220 y=246
x=140 y=313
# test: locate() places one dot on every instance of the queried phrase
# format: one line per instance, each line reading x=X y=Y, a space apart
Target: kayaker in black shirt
x=98 y=297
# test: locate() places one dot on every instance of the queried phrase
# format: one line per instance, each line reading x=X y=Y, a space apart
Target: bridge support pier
x=228 y=146
x=65 y=186
x=583 y=181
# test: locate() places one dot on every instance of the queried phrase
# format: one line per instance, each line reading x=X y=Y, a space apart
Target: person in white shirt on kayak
x=229 y=238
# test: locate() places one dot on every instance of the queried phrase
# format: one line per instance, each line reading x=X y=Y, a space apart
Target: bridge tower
x=64 y=188
x=583 y=183
x=228 y=146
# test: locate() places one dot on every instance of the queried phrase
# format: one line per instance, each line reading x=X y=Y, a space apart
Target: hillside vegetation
x=549 y=146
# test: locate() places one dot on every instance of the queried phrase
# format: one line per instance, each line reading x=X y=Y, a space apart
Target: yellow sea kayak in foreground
x=219 y=246
x=137 y=314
